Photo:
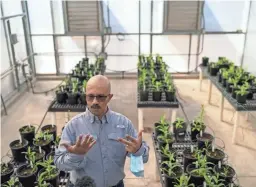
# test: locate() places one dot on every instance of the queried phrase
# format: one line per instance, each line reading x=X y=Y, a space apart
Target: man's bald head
x=99 y=81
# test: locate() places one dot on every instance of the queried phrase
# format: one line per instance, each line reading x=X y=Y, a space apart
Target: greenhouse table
x=250 y=105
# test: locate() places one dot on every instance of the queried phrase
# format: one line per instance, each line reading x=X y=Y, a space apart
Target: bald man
x=95 y=143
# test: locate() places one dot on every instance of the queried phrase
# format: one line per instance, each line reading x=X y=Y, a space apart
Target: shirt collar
x=92 y=117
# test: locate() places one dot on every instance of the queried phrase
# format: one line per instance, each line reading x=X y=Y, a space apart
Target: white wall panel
x=67 y=63
x=5 y=61
x=158 y=16
x=42 y=44
x=45 y=64
x=145 y=16
x=12 y=7
x=58 y=17
x=70 y=44
x=93 y=43
x=145 y=44
x=7 y=86
x=121 y=63
x=176 y=63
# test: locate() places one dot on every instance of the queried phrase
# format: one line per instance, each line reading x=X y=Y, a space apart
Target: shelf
x=57 y=107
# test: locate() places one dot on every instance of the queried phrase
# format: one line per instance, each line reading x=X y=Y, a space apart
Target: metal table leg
x=210 y=92
x=221 y=107
x=200 y=79
x=53 y=117
x=235 y=127
x=140 y=119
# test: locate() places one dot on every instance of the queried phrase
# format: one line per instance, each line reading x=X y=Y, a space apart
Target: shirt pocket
x=116 y=148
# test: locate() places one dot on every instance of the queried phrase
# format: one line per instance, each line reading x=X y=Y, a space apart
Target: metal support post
x=139 y=27
x=189 y=50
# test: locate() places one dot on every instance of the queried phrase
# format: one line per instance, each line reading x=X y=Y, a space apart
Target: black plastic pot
x=202 y=140
x=61 y=97
x=45 y=145
x=54 y=181
x=40 y=159
x=144 y=95
x=219 y=77
x=62 y=173
x=82 y=99
x=188 y=158
x=157 y=132
x=241 y=98
x=227 y=179
x=224 y=82
x=195 y=132
x=180 y=133
x=229 y=87
x=220 y=155
x=249 y=96
x=170 y=181
x=26 y=180
x=165 y=158
x=29 y=136
x=205 y=61
x=194 y=179
x=234 y=92
x=157 y=96
x=52 y=129
x=7 y=175
x=17 y=152
x=169 y=96
x=214 y=71
x=72 y=98
x=162 y=143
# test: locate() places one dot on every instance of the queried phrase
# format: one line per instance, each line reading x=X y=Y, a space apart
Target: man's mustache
x=95 y=106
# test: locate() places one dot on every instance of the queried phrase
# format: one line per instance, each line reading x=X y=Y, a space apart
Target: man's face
x=97 y=97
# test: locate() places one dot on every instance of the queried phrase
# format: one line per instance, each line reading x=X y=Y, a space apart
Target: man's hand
x=82 y=146
x=133 y=145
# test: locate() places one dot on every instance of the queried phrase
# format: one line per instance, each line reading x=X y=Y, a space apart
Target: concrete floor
x=31 y=109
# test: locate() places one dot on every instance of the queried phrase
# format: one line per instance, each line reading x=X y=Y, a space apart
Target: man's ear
x=110 y=96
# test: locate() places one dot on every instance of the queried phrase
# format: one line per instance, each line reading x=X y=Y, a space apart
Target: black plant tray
x=157 y=104
x=250 y=105
x=57 y=107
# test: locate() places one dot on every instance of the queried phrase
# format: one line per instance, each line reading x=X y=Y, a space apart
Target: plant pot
x=27 y=135
x=219 y=77
x=26 y=179
x=157 y=96
x=215 y=157
x=170 y=181
x=157 y=132
x=62 y=173
x=188 y=158
x=231 y=173
x=72 y=98
x=6 y=175
x=208 y=68
x=17 y=150
x=40 y=157
x=224 y=82
x=143 y=95
x=45 y=145
x=249 y=96
x=52 y=129
x=241 y=98
x=82 y=99
x=229 y=87
x=205 y=61
x=213 y=71
x=195 y=132
x=234 y=92
x=162 y=143
x=202 y=140
x=61 y=97
x=194 y=179
x=180 y=133
x=55 y=181
x=165 y=158
x=169 y=96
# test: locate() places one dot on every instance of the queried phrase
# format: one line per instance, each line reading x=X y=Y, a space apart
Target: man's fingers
x=67 y=146
x=140 y=135
x=85 y=140
x=78 y=142
x=125 y=142
x=131 y=139
x=92 y=144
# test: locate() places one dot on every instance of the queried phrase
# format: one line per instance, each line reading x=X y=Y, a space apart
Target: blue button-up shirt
x=104 y=162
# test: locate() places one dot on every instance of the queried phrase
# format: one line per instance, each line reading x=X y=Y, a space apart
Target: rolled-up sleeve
x=144 y=149
x=64 y=160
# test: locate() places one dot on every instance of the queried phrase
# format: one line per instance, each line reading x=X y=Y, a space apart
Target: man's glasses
x=100 y=98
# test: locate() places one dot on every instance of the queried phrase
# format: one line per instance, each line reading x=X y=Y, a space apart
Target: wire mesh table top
x=57 y=107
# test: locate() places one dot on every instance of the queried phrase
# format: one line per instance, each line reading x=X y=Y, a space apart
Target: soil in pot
x=27 y=175
x=18 y=148
x=241 y=98
x=226 y=173
x=215 y=157
x=229 y=87
x=213 y=71
x=27 y=133
x=51 y=129
x=194 y=177
x=72 y=98
x=170 y=181
x=144 y=95
x=202 y=140
x=169 y=96
x=157 y=96
x=249 y=96
x=54 y=180
x=6 y=172
x=188 y=158
x=44 y=144
x=234 y=92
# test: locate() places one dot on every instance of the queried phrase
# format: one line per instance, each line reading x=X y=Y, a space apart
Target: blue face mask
x=136 y=166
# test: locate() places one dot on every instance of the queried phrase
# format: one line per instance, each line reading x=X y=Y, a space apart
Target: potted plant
x=43 y=140
x=204 y=139
x=17 y=148
x=214 y=69
x=213 y=180
x=161 y=126
x=179 y=128
x=167 y=154
x=42 y=183
x=143 y=91
x=157 y=91
x=61 y=95
x=232 y=82
x=49 y=173
x=225 y=75
x=13 y=182
x=7 y=170
x=226 y=173
x=198 y=170
x=170 y=92
x=165 y=138
x=72 y=96
x=214 y=155
x=50 y=129
x=198 y=124
x=241 y=93
x=27 y=132
x=172 y=172
x=183 y=181
x=82 y=96
x=190 y=156
x=205 y=61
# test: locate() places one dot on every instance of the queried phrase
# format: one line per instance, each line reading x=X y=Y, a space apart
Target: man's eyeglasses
x=100 y=98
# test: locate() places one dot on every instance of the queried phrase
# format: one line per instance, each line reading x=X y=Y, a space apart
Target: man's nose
x=95 y=101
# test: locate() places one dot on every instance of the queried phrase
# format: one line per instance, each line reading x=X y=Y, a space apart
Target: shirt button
x=104 y=156
x=105 y=170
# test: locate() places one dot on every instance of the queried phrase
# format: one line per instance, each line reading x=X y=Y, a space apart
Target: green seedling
x=171 y=166
x=179 y=123
x=202 y=166
x=199 y=121
x=166 y=152
x=158 y=86
x=214 y=180
x=243 y=90
x=13 y=182
x=183 y=181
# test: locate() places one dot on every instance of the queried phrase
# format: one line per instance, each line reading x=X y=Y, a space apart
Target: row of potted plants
x=153 y=77
x=204 y=163
x=33 y=154
x=239 y=83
